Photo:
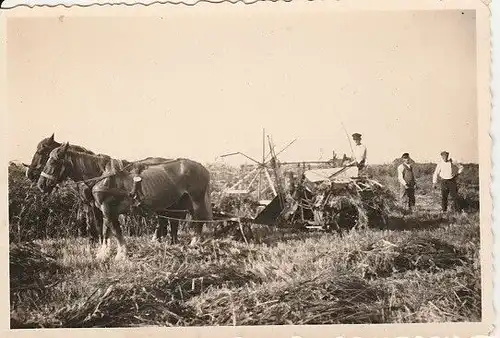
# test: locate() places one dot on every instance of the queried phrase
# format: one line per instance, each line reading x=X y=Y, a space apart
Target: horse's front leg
x=198 y=232
x=160 y=229
x=117 y=231
x=98 y=225
x=200 y=214
x=174 y=229
x=94 y=226
x=103 y=252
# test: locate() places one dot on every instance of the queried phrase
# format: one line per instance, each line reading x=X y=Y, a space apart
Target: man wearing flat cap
x=406 y=178
x=447 y=171
x=359 y=152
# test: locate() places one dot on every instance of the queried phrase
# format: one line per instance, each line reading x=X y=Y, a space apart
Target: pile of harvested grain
x=154 y=298
x=427 y=254
x=32 y=274
x=358 y=203
x=123 y=305
x=324 y=300
x=415 y=253
x=30 y=268
x=452 y=295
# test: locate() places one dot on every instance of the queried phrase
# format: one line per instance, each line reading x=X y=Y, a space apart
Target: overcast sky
x=199 y=85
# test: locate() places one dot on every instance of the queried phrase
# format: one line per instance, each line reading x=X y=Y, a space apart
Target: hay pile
x=170 y=276
x=32 y=275
x=452 y=295
x=30 y=268
x=383 y=258
x=116 y=305
x=155 y=298
x=329 y=299
x=357 y=203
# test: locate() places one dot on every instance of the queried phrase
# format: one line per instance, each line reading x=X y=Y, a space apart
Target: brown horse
x=89 y=214
x=85 y=189
x=168 y=185
x=92 y=214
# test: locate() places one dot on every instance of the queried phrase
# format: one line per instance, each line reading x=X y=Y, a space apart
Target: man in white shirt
x=407 y=180
x=447 y=171
x=359 y=153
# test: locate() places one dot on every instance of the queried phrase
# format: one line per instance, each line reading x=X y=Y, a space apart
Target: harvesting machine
x=325 y=195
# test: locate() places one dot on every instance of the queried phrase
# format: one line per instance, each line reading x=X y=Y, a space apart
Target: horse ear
x=52 y=137
x=66 y=146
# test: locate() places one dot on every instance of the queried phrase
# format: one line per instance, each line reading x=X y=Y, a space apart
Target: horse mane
x=73 y=147
x=81 y=149
x=87 y=154
x=82 y=162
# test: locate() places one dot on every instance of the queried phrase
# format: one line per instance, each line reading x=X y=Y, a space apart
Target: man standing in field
x=406 y=178
x=447 y=171
x=359 y=153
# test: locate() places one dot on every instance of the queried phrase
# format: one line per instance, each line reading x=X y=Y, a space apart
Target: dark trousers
x=409 y=196
x=449 y=187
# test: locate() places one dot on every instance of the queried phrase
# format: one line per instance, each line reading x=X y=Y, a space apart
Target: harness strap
x=212 y=221
x=111 y=191
x=50 y=177
x=112 y=173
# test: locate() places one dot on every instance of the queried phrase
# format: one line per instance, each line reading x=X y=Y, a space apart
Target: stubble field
x=423 y=267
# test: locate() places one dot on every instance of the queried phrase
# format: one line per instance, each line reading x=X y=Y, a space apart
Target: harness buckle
x=136 y=192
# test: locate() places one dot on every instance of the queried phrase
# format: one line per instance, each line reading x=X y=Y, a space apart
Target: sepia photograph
x=247 y=166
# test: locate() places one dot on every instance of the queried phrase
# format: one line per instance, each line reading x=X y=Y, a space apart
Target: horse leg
x=160 y=229
x=200 y=213
x=120 y=241
x=94 y=220
x=80 y=222
x=105 y=243
x=92 y=223
x=98 y=225
x=91 y=229
x=174 y=229
x=110 y=225
x=162 y=226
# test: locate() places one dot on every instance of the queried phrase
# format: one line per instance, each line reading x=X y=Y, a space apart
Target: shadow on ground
x=403 y=223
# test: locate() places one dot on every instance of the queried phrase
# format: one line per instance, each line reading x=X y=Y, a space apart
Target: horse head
x=40 y=157
x=56 y=169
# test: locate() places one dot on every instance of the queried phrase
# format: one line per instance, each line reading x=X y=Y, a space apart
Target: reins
x=110 y=174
